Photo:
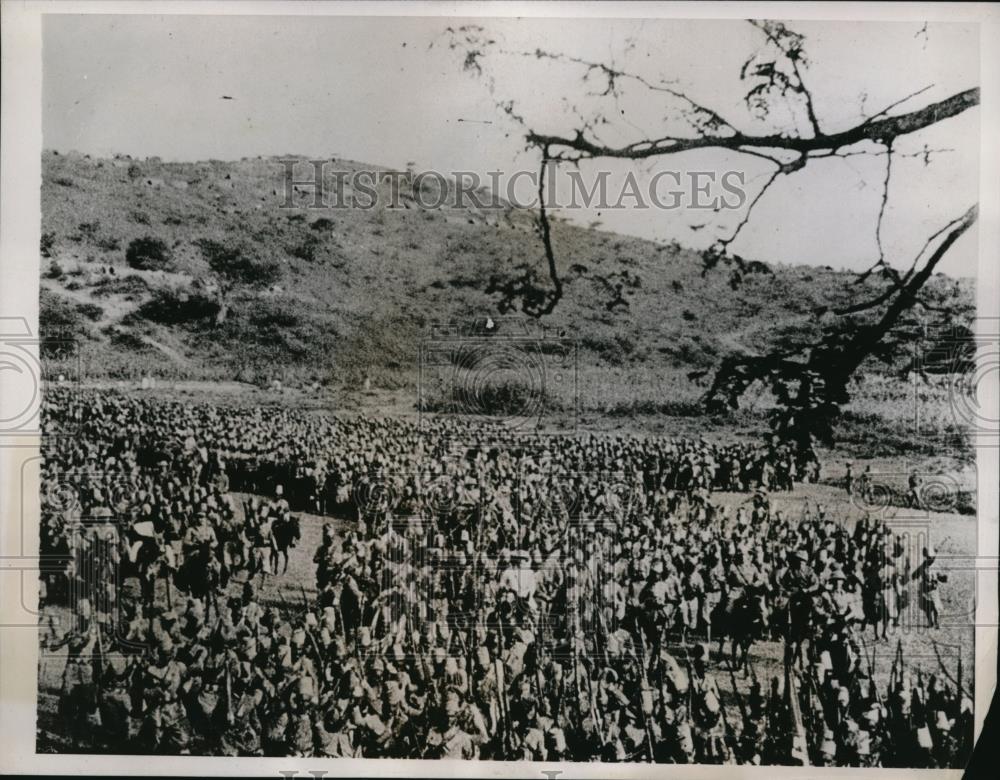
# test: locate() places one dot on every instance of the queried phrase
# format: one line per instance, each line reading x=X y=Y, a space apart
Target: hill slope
x=358 y=288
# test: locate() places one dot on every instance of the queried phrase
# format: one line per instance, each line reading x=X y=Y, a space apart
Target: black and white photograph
x=587 y=387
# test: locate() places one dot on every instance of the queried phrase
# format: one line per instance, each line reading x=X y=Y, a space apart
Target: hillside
x=358 y=289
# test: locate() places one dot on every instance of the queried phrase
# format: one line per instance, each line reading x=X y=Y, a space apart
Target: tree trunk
x=817 y=387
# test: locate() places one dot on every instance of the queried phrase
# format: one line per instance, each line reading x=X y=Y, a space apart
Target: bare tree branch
x=809 y=378
x=790 y=45
x=546 y=232
x=885 y=111
x=883 y=203
x=724 y=243
x=710 y=119
x=811 y=381
x=882 y=132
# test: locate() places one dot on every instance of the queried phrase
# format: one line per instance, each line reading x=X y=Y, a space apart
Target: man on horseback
x=200 y=533
x=285 y=534
x=800 y=585
x=743 y=614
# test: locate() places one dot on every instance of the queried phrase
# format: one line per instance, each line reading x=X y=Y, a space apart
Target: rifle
x=690 y=690
x=99 y=661
x=542 y=704
x=897 y=663
x=739 y=699
x=725 y=722
x=646 y=690
x=576 y=676
x=504 y=705
x=595 y=710
x=557 y=709
x=799 y=737
x=817 y=719
x=960 y=677
x=229 y=697
x=947 y=674
x=871 y=674
x=284 y=603
x=309 y=633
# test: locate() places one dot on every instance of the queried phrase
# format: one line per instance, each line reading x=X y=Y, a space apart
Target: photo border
x=19 y=235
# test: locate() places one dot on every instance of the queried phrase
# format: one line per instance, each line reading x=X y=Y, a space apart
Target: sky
x=390 y=91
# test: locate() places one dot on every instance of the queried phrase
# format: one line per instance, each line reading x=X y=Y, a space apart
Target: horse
x=742 y=619
x=200 y=574
x=285 y=534
x=794 y=620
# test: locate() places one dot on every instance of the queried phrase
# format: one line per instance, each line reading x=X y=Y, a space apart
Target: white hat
x=943 y=722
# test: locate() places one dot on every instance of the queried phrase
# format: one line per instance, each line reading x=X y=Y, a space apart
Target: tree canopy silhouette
x=809 y=378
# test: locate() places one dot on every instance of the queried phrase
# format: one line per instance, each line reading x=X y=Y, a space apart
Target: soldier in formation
x=497 y=599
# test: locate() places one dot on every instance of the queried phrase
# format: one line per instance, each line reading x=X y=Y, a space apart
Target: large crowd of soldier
x=480 y=594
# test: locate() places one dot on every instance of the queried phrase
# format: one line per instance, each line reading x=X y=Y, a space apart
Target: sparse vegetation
x=62 y=326
x=173 y=307
x=46 y=242
x=237 y=264
x=148 y=254
x=421 y=275
x=306 y=249
x=131 y=287
x=91 y=311
x=321 y=224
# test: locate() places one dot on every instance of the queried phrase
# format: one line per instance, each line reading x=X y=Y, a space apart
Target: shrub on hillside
x=381 y=347
x=271 y=331
x=173 y=307
x=61 y=326
x=46 y=243
x=131 y=287
x=91 y=311
x=306 y=249
x=323 y=223
x=149 y=254
x=89 y=229
x=239 y=263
